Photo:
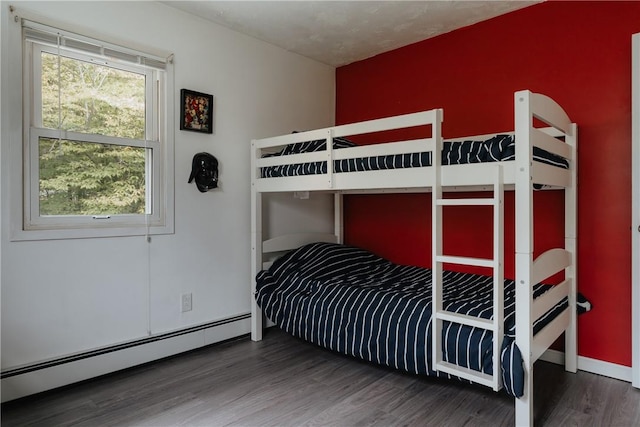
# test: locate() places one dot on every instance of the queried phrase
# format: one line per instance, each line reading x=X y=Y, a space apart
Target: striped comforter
x=354 y=302
x=495 y=149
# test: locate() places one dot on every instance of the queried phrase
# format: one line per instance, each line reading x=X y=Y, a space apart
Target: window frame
x=158 y=145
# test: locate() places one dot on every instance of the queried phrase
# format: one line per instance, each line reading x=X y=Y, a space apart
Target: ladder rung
x=466 y=202
x=463 y=319
x=466 y=373
x=480 y=262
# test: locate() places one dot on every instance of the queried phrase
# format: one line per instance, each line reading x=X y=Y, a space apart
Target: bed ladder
x=440 y=315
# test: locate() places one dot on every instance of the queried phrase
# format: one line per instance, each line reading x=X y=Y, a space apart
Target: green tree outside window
x=83 y=178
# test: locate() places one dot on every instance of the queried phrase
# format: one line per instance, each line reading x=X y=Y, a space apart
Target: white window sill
x=88 y=233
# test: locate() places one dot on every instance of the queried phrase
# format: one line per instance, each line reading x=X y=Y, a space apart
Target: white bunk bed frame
x=559 y=138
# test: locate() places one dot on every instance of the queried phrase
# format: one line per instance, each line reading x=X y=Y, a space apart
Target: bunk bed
x=523 y=316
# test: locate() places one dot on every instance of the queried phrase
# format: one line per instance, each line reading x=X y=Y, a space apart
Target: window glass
x=94 y=98
x=83 y=178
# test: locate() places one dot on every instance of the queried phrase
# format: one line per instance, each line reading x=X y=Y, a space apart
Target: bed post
x=256 y=246
x=436 y=244
x=524 y=252
x=338 y=227
x=571 y=245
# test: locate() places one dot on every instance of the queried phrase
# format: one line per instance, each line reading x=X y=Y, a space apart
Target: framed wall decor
x=196 y=111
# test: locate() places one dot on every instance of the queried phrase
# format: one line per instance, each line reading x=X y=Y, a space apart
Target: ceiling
x=340 y=32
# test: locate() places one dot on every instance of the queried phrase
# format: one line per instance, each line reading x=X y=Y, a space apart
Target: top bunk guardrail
x=348 y=168
x=322 y=157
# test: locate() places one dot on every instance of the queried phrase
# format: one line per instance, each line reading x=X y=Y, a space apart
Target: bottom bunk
x=354 y=302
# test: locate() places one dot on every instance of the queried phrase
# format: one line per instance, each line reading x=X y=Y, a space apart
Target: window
x=97 y=137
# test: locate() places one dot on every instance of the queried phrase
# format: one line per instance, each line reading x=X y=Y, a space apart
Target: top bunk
x=542 y=148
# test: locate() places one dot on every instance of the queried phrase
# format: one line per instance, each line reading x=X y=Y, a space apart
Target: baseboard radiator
x=38 y=377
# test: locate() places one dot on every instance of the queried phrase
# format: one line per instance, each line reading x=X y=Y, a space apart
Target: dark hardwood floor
x=282 y=381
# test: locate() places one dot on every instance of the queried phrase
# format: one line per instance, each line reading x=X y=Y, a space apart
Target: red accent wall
x=579 y=53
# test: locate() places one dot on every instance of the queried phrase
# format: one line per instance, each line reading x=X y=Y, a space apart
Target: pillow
x=322 y=260
x=311 y=146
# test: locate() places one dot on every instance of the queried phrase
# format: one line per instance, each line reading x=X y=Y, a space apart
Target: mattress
x=349 y=300
x=495 y=149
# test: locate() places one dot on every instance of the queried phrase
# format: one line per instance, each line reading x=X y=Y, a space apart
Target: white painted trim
x=60 y=375
x=594 y=366
x=635 y=206
x=606 y=369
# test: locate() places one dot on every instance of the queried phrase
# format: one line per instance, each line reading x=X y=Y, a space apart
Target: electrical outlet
x=187 y=302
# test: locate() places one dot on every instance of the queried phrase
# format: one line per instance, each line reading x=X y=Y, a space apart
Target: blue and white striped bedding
x=495 y=149
x=354 y=302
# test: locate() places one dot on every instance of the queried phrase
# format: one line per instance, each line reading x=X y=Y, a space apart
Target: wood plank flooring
x=282 y=381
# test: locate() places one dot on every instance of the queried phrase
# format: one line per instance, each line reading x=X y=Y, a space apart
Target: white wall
x=65 y=296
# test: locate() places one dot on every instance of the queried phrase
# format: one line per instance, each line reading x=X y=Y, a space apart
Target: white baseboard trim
x=587 y=364
x=36 y=381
